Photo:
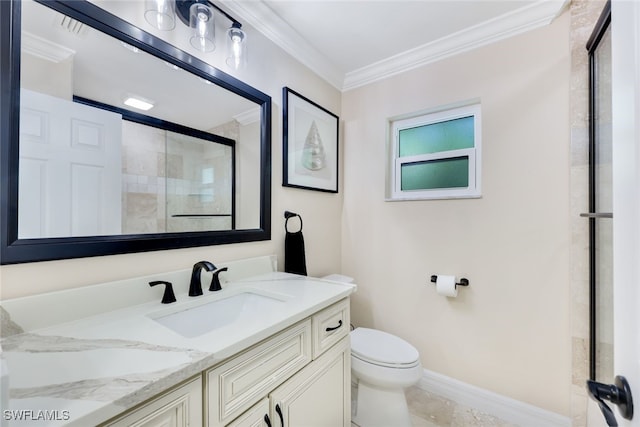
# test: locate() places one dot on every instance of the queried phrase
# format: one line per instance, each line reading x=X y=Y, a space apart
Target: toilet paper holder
x=463 y=281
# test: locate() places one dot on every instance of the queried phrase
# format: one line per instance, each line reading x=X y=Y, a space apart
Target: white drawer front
x=181 y=407
x=329 y=326
x=236 y=385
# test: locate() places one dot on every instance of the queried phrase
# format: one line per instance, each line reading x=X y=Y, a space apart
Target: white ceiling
x=354 y=42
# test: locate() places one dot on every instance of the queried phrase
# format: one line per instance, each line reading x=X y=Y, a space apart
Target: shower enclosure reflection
x=129 y=173
x=186 y=184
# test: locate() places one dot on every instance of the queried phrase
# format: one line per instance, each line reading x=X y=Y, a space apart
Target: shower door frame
x=602 y=25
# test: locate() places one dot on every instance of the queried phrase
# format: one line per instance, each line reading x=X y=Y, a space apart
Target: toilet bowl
x=382 y=365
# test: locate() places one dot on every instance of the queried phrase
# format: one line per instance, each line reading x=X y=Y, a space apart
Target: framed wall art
x=310 y=144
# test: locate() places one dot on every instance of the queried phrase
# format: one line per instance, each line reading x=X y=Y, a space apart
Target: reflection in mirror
x=116 y=143
x=114 y=168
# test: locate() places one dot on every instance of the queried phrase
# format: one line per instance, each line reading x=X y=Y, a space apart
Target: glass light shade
x=236 y=47
x=160 y=14
x=203 y=26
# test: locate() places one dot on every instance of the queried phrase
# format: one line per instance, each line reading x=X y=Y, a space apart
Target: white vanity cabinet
x=280 y=345
x=298 y=377
x=179 y=407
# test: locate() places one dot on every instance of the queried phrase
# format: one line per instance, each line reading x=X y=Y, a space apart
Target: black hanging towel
x=294 y=257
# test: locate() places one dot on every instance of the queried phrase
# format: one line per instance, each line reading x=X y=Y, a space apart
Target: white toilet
x=383 y=366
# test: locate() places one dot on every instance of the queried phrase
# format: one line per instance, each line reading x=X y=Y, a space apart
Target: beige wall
x=269 y=70
x=48 y=77
x=509 y=332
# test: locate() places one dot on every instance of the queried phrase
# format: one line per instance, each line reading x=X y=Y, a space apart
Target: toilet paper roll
x=446 y=286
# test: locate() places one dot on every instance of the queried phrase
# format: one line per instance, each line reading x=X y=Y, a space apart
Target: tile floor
x=430 y=410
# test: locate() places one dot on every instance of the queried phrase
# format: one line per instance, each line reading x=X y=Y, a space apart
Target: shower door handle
x=618 y=394
x=597 y=215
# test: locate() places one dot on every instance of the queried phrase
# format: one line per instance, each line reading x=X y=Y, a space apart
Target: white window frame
x=473 y=190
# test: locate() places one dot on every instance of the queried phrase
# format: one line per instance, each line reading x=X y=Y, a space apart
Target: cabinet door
x=181 y=407
x=236 y=385
x=319 y=395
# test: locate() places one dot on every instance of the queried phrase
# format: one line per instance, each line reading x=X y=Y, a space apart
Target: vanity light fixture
x=199 y=16
x=161 y=14
x=236 y=47
x=139 y=103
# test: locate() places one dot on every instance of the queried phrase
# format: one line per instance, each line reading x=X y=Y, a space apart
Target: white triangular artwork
x=313 y=156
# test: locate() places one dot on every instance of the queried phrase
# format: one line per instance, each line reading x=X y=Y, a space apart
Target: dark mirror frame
x=14 y=250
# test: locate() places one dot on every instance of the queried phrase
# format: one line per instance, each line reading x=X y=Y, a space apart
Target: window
x=436 y=155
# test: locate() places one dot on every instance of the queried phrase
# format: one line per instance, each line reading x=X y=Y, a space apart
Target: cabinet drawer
x=254 y=417
x=180 y=407
x=237 y=384
x=329 y=326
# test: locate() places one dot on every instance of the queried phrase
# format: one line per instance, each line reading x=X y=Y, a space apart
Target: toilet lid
x=382 y=348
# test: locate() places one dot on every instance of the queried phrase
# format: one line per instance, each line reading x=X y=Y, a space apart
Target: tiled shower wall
x=584 y=15
x=162 y=178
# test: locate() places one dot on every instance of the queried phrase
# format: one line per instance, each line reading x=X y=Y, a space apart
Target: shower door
x=600 y=202
x=616 y=400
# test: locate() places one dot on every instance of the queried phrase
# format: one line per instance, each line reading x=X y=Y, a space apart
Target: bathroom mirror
x=82 y=174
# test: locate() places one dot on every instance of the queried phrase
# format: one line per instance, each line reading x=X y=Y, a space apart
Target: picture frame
x=310 y=144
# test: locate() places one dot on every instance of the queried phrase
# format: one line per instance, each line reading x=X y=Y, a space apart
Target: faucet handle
x=215 y=281
x=168 y=297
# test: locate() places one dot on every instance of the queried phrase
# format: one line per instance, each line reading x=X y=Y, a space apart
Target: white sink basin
x=195 y=321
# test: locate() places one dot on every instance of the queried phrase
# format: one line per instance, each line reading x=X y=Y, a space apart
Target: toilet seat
x=383 y=349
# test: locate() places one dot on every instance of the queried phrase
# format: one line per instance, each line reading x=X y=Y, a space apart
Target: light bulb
x=202 y=22
x=201 y=25
x=236 y=47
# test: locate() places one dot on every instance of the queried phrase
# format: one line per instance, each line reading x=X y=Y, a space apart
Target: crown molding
x=248 y=117
x=272 y=26
x=263 y=19
x=510 y=24
x=45 y=49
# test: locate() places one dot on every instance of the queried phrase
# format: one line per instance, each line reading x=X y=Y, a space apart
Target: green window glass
x=435 y=174
x=453 y=134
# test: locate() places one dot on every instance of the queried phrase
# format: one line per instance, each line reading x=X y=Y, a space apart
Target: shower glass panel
x=200 y=194
x=600 y=203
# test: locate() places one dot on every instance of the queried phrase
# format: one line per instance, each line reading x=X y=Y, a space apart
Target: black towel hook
x=288 y=215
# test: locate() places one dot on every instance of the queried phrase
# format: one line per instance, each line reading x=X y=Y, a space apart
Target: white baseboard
x=505 y=408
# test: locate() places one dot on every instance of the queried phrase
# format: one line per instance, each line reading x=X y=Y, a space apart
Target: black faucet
x=195 y=286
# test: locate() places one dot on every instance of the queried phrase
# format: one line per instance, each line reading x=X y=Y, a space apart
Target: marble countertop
x=88 y=370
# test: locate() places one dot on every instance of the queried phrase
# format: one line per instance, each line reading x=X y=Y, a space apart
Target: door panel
x=625 y=41
x=70 y=156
